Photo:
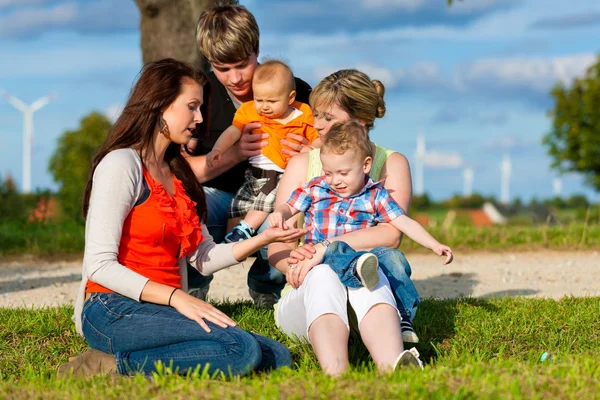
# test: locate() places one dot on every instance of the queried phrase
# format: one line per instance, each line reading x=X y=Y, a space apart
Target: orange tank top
x=156 y=233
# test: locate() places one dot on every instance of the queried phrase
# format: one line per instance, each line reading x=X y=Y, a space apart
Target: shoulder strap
x=381 y=155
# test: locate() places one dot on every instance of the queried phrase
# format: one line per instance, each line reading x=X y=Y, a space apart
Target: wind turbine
x=420 y=164
x=27 y=111
x=505 y=170
x=468 y=182
x=557 y=186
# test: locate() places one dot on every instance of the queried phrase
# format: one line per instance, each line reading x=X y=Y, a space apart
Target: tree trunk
x=168 y=29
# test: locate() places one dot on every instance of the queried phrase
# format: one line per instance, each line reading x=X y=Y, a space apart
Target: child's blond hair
x=274 y=69
x=345 y=136
x=227 y=34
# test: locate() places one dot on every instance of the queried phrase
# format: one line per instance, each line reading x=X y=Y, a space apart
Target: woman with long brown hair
x=145 y=214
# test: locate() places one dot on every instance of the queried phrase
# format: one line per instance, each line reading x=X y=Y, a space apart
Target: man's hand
x=295 y=144
x=251 y=144
x=276 y=220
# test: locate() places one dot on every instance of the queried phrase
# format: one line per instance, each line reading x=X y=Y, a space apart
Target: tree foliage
x=574 y=142
x=70 y=163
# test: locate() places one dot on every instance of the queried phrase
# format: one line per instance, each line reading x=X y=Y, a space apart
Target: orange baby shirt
x=303 y=125
x=157 y=233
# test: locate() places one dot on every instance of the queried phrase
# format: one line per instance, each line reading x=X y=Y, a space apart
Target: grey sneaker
x=265 y=301
x=408 y=359
x=199 y=293
x=408 y=333
x=367 y=270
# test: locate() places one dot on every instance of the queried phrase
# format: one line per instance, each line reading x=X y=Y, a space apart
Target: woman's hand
x=251 y=144
x=303 y=252
x=283 y=235
x=296 y=145
x=301 y=261
x=198 y=310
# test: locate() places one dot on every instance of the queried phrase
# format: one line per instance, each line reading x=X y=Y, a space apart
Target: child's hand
x=276 y=221
x=213 y=158
x=444 y=250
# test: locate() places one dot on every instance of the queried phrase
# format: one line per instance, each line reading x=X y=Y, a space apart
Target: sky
x=473 y=78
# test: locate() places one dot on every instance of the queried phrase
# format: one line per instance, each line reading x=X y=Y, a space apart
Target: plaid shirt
x=330 y=215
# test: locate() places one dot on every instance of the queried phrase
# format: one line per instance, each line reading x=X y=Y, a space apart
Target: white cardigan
x=117 y=185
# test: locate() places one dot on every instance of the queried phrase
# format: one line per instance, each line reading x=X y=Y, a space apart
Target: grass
x=67 y=237
x=473 y=349
x=41 y=239
x=575 y=236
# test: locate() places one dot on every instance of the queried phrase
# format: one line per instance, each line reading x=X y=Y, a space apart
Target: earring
x=163 y=127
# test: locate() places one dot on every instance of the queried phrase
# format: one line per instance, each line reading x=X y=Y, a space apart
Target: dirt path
x=533 y=274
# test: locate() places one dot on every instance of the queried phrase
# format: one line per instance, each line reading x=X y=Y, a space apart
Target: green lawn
x=472 y=348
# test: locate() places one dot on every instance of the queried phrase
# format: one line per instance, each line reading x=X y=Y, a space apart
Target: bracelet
x=173 y=292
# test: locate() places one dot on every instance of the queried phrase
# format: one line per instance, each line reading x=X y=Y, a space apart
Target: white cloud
x=67 y=61
x=436 y=159
x=409 y=5
x=535 y=74
x=106 y=16
x=10 y=3
x=24 y=20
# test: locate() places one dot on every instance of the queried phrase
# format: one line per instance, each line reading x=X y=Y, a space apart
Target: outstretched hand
x=283 y=235
x=199 y=311
x=442 y=250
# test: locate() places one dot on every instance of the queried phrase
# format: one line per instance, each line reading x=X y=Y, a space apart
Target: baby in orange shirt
x=275 y=108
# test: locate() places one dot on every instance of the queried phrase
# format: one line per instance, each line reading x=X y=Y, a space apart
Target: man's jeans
x=342 y=260
x=262 y=277
x=140 y=334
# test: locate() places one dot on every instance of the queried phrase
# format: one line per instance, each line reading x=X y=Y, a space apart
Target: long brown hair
x=158 y=85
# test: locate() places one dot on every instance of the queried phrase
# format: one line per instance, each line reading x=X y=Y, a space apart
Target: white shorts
x=323 y=293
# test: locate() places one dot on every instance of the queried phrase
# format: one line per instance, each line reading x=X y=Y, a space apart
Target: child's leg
x=255 y=218
x=231 y=222
x=240 y=206
x=354 y=268
x=397 y=270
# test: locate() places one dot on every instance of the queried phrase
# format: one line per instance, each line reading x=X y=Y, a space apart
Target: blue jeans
x=262 y=277
x=141 y=334
x=342 y=260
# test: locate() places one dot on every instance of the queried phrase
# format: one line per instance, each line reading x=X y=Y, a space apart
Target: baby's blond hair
x=272 y=69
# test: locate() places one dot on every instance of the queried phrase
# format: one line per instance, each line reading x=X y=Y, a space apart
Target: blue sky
x=473 y=78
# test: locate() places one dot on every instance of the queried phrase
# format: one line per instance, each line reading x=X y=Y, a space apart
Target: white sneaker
x=367 y=270
x=408 y=358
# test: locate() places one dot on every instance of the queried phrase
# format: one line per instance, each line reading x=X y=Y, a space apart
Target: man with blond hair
x=228 y=37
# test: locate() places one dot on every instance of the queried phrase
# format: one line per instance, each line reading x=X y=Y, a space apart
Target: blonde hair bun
x=381 y=92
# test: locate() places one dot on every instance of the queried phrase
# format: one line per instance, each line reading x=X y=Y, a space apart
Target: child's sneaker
x=408 y=333
x=367 y=270
x=240 y=232
x=408 y=358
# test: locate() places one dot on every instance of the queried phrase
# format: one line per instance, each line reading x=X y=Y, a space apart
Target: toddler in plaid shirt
x=274 y=106
x=346 y=199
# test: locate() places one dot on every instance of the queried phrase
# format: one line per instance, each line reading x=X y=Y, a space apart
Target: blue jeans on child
x=140 y=334
x=262 y=277
x=342 y=260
